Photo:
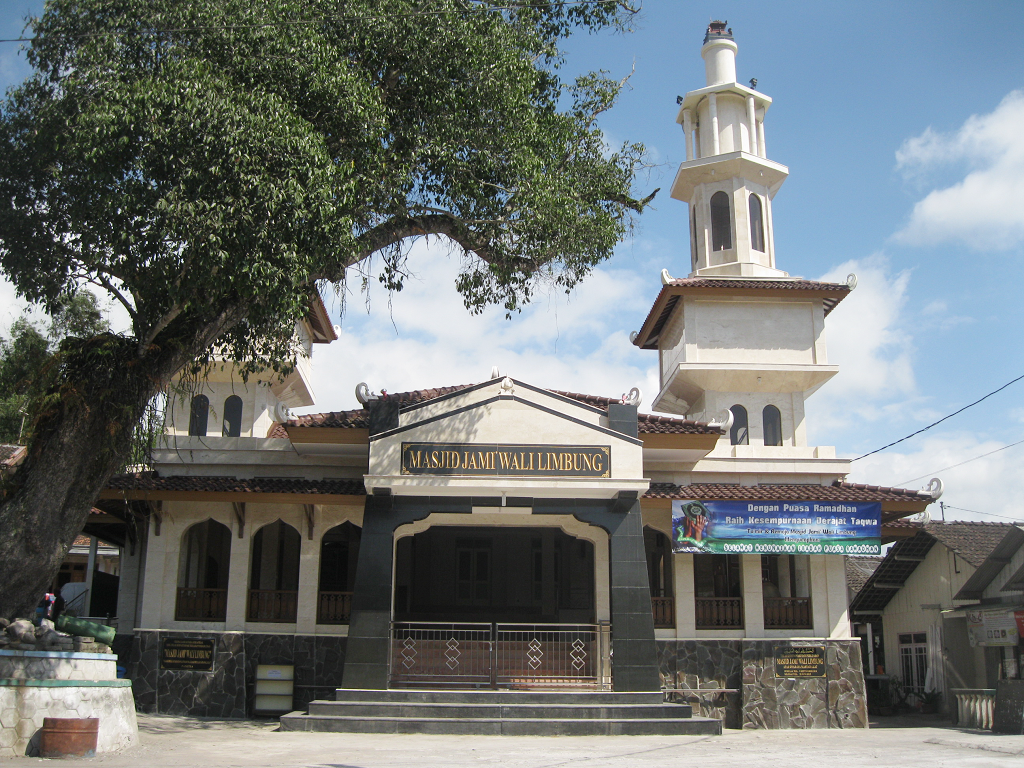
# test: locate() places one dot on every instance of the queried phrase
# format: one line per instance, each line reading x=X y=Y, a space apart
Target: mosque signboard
x=777 y=527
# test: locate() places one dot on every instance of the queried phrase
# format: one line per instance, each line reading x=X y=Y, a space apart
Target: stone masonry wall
x=763 y=701
x=228 y=691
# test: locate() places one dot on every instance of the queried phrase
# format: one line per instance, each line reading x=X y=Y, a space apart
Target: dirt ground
x=909 y=742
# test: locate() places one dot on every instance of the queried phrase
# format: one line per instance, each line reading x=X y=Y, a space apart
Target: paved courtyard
x=906 y=742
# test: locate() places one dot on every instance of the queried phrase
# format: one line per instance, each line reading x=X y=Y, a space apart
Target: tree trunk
x=82 y=435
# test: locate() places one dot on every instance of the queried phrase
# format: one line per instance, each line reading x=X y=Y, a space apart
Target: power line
x=336 y=17
x=976 y=512
x=935 y=423
x=902 y=483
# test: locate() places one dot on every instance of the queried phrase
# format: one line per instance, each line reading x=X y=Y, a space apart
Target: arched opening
x=274 y=578
x=693 y=237
x=721 y=222
x=756 y=223
x=198 y=416
x=339 y=553
x=739 y=434
x=457 y=573
x=717 y=591
x=232 y=426
x=203 y=573
x=772 y=425
x=658 y=548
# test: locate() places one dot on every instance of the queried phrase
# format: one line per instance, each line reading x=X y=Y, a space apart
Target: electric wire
x=936 y=423
x=976 y=512
x=332 y=17
x=902 y=483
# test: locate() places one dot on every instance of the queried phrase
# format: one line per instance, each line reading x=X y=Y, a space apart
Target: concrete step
x=501 y=710
x=299 y=721
x=489 y=696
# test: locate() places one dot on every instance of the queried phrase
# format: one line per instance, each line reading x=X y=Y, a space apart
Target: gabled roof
x=360 y=418
x=859 y=570
x=973 y=541
x=992 y=563
x=663 y=307
x=11 y=455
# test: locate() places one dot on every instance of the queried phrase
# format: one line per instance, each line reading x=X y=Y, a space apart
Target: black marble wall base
x=759 y=699
x=229 y=689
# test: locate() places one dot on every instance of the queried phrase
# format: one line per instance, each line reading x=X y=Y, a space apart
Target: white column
x=713 y=107
x=753 y=597
x=152 y=584
x=751 y=127
x=238 y=576
x=686 y=608
x=838 y=598
x=819 y=596
x=309 y=578
x=760 y=138
x=688 y=130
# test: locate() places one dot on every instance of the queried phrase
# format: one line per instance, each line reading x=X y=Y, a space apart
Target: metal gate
x=481 y=655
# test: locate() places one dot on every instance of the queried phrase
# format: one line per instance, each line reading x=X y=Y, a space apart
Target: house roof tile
x=148 y=481
x=838 y=491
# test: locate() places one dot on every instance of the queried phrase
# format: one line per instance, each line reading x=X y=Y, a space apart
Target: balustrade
x=719 y=612
x=195 y=604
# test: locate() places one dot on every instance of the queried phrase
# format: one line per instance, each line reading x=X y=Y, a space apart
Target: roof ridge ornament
x=363 y=393
x=507 y=386
x=633 y=397
x=666 y=278
x=725 y=424
x=495 y=373
x=851 y=281
x=283 y=412
x=935 y=488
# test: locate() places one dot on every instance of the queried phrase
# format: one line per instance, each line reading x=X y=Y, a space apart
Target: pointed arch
x=721 y=222
x=232 y=425
x=772 y=422
x=274 y=573
x=756 y=223
x=205 y=560
x=199 y=415
x=339 y=555
x=739 y=434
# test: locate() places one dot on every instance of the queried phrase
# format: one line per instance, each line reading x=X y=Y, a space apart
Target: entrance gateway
x=502 y=580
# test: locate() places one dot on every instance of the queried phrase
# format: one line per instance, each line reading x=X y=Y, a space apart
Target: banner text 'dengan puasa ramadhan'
x=514 y=460
x=777 y=527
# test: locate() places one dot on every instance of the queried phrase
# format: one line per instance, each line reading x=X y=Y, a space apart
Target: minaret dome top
x=719 y=54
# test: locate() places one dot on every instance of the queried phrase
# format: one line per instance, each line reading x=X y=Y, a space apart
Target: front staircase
x=509 y=713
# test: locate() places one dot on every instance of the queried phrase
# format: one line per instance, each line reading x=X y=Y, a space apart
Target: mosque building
x=502 y=536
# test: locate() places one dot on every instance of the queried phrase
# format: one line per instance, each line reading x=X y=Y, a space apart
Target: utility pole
x=942 y=508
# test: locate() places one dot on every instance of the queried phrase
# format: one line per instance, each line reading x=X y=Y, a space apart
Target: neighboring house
x=858 y=571
x=10 y=457
x=919 y=593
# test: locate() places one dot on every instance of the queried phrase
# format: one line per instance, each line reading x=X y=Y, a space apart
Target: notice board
x=194 y=654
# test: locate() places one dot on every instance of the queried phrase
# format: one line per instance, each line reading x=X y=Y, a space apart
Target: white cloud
x=990 y=485
x=983 y=209
x=866 y=339
x=426 y=338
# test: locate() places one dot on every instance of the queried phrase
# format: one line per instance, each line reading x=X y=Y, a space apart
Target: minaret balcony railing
x=787 y=613
x=334 y=608
x=278 y=606
x=196 y=604
x=719 y=612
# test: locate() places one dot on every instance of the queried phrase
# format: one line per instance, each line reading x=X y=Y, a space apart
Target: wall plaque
x=509 y=460
x=800 y=661
x=187 y=653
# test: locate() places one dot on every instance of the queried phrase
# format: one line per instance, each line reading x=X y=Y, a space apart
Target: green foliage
x=209 y=161
x=27 y=355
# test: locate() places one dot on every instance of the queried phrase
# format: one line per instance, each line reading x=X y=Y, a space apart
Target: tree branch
x=158 y=326
x=119 y=296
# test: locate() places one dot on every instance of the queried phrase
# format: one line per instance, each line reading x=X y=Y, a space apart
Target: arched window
x=738 y=435
x=232 y=417
x=274 y=579
x=339 y=554
x=199 y=415
x=772 y=425
x=756 y=224
x=721 y=222
x=203 y=573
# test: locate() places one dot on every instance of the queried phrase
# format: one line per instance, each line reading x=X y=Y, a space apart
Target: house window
x=199 y=415
x=232 y=426
x=756 y=224
x=772 y=425
x=914 y=660
x=739 y=434
x=721 y=222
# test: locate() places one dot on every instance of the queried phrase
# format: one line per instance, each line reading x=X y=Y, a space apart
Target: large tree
x=211 y=162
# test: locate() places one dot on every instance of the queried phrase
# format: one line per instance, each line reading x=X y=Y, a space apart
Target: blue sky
x=901 y=125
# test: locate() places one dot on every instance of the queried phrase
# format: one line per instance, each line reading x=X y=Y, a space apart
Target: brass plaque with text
x=800 y=661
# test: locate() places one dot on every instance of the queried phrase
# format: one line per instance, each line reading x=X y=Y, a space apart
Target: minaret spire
x=727 y=178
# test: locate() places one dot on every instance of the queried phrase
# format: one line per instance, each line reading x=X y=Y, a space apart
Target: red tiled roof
x=11 y=454
x=859 y=570
x=972 y=540
x=775 y=283
x=838 y=491
x=151 y=482
x=646 y=423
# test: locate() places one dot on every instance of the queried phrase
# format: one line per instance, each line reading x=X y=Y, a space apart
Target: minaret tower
x=727 y=178
x=738 y=335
